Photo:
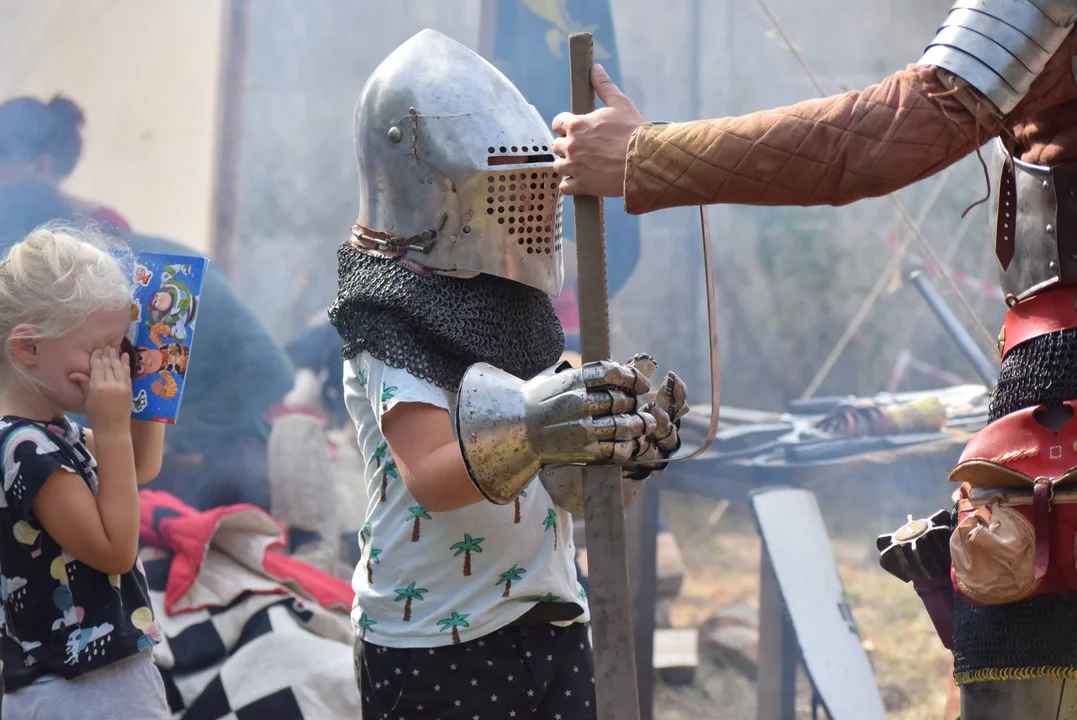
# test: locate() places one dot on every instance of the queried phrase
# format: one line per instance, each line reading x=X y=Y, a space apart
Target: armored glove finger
x=611 y=375
x=644 y=363
x=632 y=443
x=657 y=445
x=672 y=396
x=667 y=408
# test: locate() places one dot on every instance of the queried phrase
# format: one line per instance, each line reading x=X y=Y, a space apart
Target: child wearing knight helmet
x=76 y=628
x=467 y=600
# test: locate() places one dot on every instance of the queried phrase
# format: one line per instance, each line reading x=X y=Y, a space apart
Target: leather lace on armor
x=435 y=326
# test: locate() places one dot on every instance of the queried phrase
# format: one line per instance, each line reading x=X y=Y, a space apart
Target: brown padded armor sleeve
x=829 y=151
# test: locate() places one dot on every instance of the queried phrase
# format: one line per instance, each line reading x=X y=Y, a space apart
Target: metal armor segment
x=1038 y=205
x=565 y=486
x=509 y=429
x=1061 y=12
x=455 y=168
x=1054 y=698
x=1000 y=46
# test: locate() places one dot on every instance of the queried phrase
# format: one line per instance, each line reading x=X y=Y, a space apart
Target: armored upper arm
x=1000 y=46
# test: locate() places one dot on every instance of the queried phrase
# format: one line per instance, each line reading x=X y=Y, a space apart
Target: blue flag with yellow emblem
x=531 y=48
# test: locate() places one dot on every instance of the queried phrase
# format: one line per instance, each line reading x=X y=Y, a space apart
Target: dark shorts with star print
x=531 y=672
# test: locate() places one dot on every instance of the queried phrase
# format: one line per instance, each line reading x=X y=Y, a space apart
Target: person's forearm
x=117 y=494
x=148 y=440
x=829 y=151
x=440 y=482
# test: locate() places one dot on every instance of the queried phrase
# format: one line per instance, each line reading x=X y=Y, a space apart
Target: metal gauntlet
x=509 y=429
x=668 y=405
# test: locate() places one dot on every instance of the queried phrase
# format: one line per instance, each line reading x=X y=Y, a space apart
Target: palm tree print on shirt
x=365 y=624
x=551 y=522
x=362 y=378
x=467 y=546
x=506 y=578
x=373 y=558
x=386 y=396
x=364 y=536
x=389 y=471
x=378 y=455
x=455 y=622
x=523 y=493
x=418 y=513
x=407 y=595
x=547 y=598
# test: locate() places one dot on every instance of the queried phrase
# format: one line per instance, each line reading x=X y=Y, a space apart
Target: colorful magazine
x=167 y=290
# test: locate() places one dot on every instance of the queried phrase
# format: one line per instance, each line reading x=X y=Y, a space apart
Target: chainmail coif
x=436 y=327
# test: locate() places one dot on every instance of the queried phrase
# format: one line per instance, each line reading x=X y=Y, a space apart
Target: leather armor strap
x=1006 y=220
x=1044 y=313
x=1041 y=514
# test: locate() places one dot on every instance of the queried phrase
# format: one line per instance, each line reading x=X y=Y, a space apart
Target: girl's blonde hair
x=54 y=280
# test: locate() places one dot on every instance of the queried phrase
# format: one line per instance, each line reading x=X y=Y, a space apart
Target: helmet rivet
x=466 y=229
x=395 y=135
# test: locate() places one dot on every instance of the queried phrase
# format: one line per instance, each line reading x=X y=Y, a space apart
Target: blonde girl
x=76 y=627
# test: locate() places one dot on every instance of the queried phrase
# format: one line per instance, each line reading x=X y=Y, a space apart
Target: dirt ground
x=910 y=663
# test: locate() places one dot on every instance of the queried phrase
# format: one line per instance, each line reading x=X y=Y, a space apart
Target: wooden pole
x=225 y=217
x=611 y=592
x=646 y=600
x=777 y=675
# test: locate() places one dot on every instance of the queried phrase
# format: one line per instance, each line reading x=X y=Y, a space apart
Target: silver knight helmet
x=456 y=168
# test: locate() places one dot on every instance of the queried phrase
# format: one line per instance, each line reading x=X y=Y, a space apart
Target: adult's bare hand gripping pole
x=611 y=594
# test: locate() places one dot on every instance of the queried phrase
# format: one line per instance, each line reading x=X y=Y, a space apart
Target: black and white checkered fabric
x=262 y=657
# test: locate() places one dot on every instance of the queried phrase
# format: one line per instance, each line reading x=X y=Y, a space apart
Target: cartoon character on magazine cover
x=172 y=308
x=166 y=361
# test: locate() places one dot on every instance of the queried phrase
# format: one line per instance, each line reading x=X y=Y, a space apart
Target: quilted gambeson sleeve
x=829 y=151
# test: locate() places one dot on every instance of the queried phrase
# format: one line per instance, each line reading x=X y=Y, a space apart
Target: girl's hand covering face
x=108 y=389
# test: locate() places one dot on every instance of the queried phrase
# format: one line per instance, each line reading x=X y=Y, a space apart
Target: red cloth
x=110 y=220
x=168 y=524
x=568 y=312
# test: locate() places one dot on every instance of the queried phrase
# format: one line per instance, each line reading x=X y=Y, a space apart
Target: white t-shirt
x=428 y=579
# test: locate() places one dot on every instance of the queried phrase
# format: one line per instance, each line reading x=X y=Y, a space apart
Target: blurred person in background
x=43 y=141
x=216 y=453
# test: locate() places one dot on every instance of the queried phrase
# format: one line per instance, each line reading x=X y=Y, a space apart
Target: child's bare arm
x=149 y=442
x=421 y=440
x=100 y=531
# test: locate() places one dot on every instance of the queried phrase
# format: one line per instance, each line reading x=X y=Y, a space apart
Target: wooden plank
x=777 y=675
x=800 y=574
x=611 y=594
x=676 y=655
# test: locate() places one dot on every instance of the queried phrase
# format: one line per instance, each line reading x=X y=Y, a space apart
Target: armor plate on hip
x=1035 y=224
